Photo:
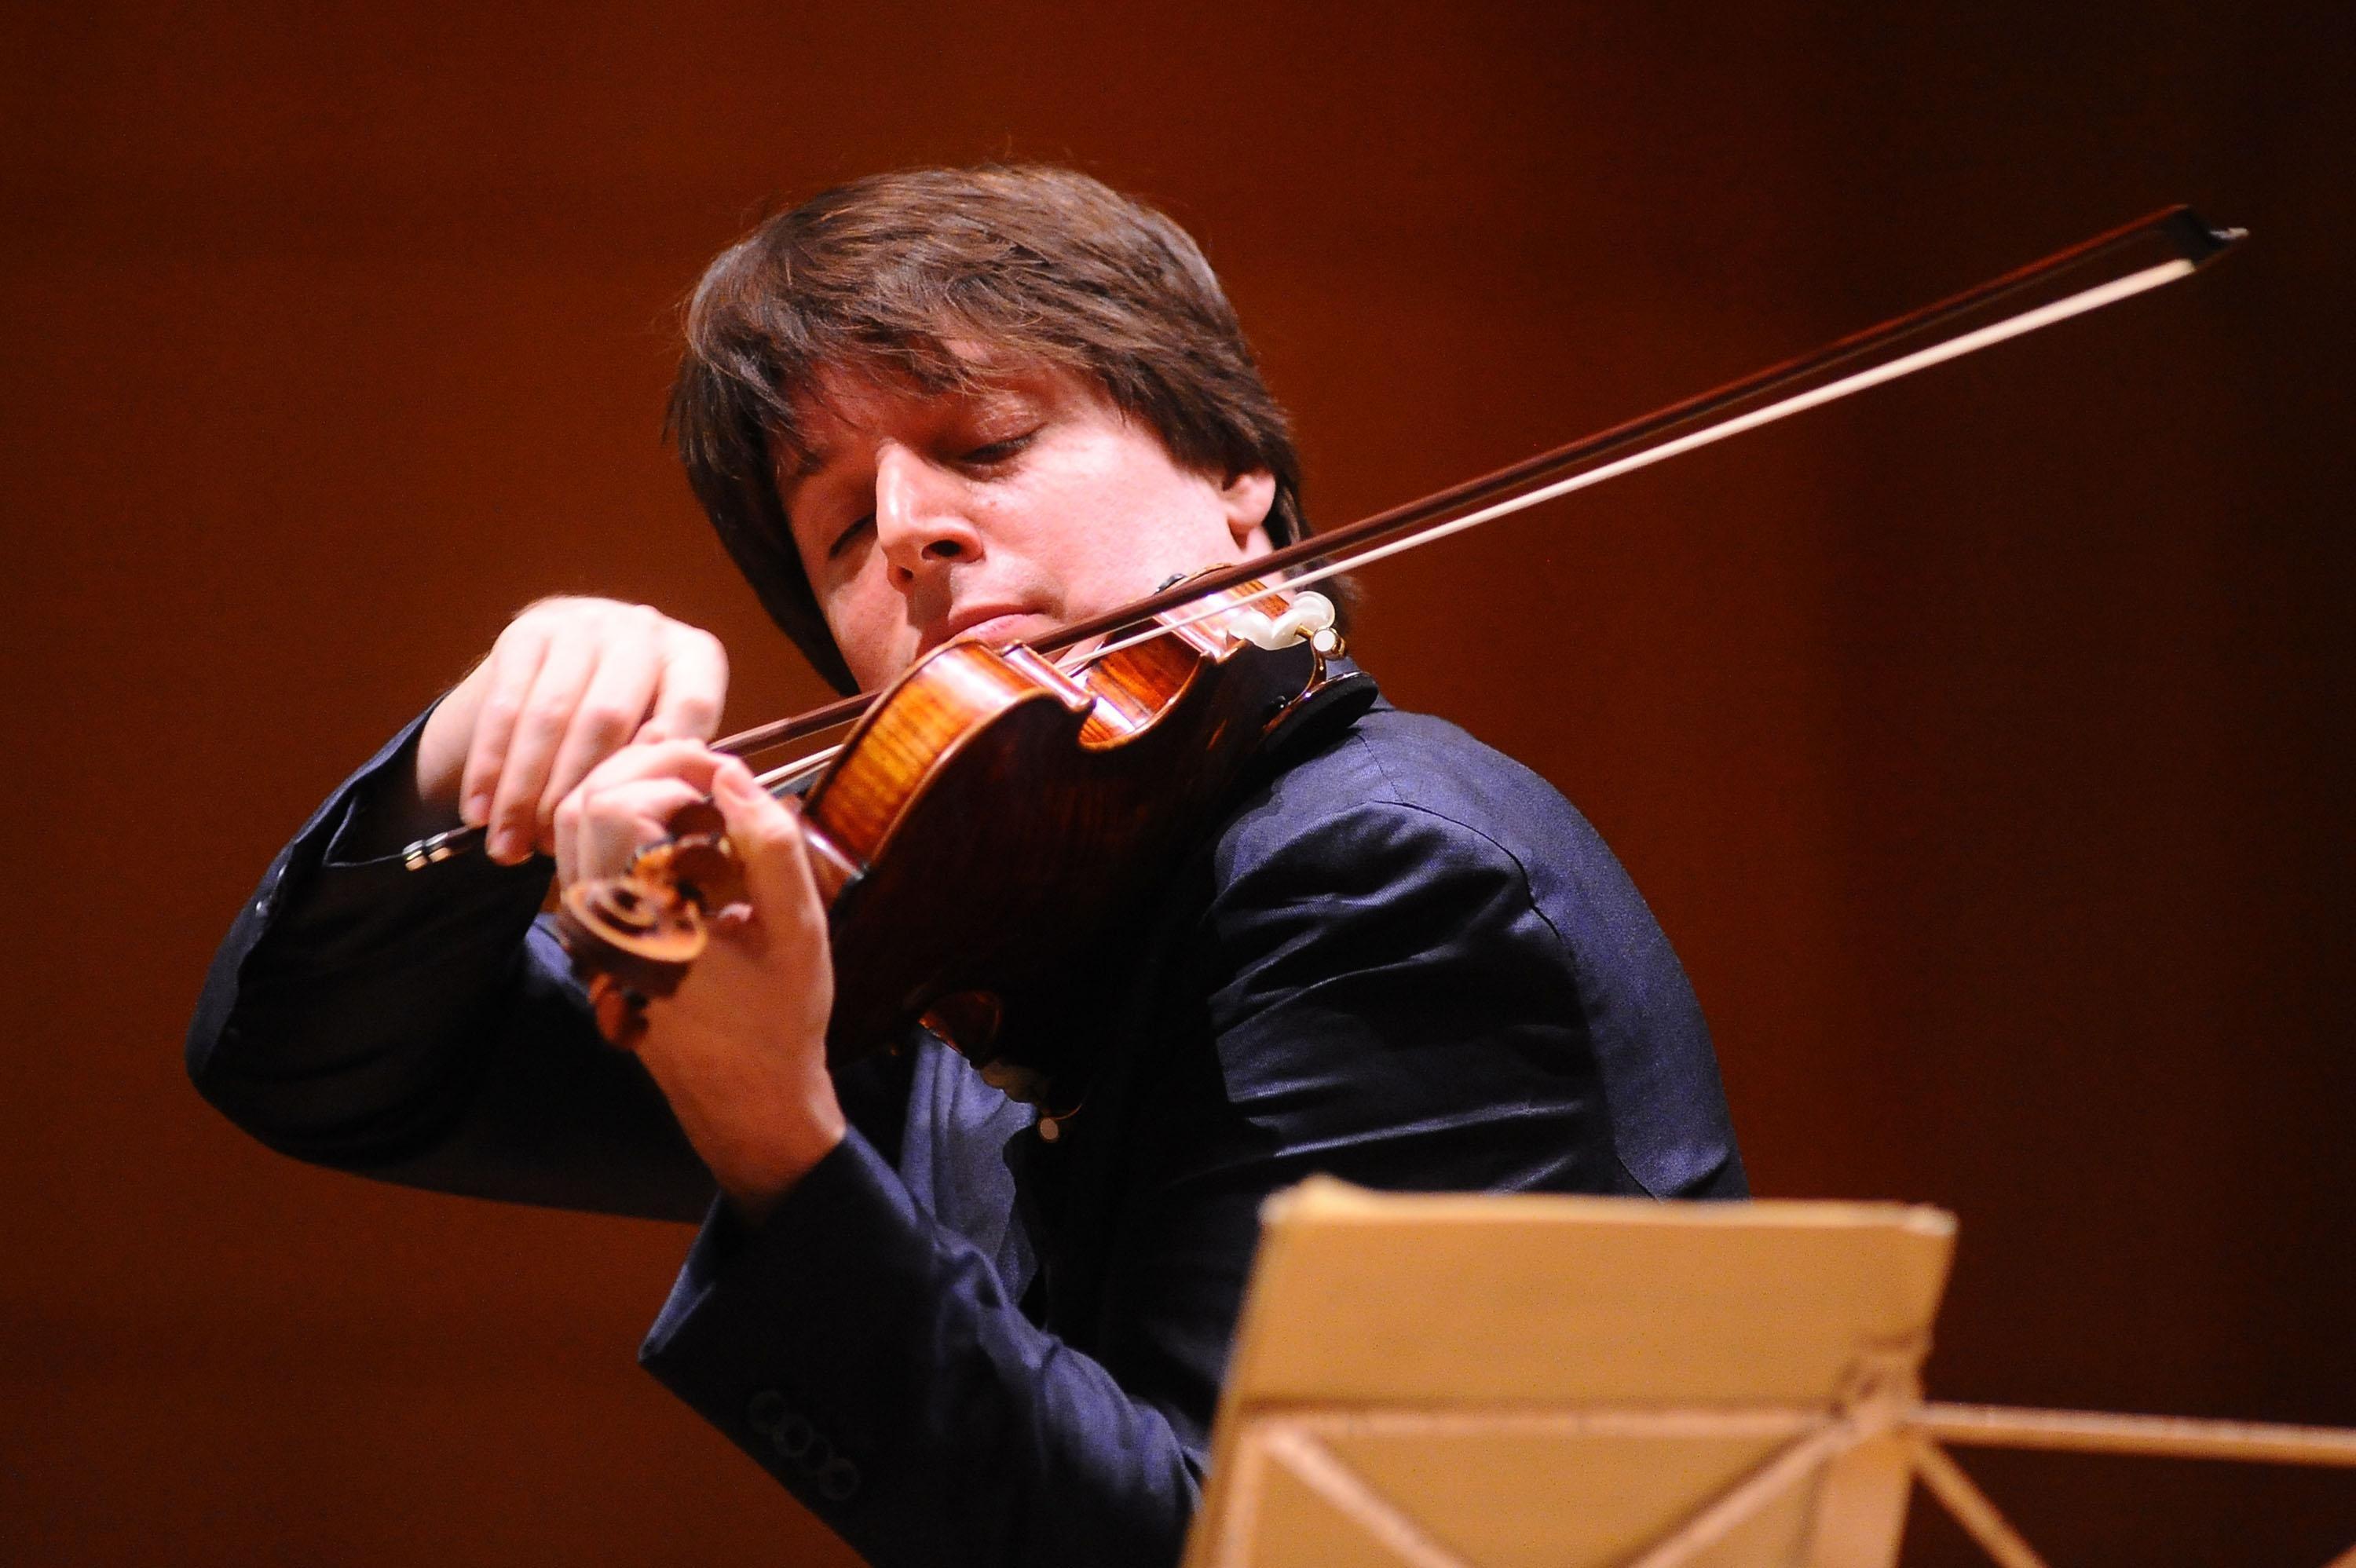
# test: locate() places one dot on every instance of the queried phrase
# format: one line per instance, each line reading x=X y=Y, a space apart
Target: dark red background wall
x=1981 y=744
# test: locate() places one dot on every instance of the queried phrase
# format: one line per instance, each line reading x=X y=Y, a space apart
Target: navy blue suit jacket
x=1401 y=958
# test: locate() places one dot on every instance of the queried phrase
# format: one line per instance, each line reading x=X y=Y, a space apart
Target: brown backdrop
x=1980 y=744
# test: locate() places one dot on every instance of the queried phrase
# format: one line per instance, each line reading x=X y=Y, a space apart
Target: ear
x=1246 y=498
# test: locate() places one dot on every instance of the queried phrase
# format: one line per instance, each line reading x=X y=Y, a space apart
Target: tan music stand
x=1461 y=1382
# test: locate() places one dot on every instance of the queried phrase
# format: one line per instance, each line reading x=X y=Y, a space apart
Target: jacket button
x=793 y=1436
x=766 y=1409
x=838 y=1481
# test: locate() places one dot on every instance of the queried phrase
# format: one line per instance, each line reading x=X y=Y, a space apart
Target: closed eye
x=997 y=452
x=842 y=540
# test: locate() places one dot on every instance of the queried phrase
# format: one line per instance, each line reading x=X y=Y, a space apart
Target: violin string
x=1831 y=391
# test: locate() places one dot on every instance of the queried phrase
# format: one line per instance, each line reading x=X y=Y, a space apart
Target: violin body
x=984 y=827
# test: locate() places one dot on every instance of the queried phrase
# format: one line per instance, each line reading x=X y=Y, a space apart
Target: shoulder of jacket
x=1394 y=775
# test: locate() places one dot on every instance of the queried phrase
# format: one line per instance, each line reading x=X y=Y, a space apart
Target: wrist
x=442 y=741
x=758 y=1136
x=755 y=1194
x=755 y=1180
x=387 y=813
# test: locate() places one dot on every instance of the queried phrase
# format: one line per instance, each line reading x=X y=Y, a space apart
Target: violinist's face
x=1006 y=513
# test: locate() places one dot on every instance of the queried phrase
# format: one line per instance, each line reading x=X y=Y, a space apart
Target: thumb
x=768 y=840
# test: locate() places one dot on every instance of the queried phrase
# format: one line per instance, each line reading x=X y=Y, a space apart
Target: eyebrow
x=988 y=399
x=814 y=457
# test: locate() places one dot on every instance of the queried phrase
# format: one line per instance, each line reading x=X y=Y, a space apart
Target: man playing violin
x=985 y=403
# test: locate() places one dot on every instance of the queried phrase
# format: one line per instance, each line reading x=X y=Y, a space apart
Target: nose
x=921 y=521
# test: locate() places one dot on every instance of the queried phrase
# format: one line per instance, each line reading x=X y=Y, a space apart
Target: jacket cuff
x=346 y=874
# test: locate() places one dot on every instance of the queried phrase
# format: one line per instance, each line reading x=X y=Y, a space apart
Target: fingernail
x=475 y=811
x=506 y=844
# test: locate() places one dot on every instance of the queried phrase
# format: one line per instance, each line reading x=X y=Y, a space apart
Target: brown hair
x=1044 y=266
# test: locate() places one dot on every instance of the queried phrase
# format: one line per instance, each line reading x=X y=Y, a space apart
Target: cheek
x=1115 y=515
x=870 y=625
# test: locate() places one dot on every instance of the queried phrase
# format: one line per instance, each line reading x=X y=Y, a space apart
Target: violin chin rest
x=1334 y=704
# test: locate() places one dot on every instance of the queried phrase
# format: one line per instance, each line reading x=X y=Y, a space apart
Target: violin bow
x=2159 y=249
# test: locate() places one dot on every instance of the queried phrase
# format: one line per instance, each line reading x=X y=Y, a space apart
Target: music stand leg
x=1971 y=1507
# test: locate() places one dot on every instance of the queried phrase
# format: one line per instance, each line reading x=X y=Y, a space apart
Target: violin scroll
x=634 y=936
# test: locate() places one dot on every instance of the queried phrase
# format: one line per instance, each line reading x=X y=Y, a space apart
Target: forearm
x=416 y=1027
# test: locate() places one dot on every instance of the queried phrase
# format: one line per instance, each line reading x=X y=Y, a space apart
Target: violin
x=995 y=810
x=1066 y=790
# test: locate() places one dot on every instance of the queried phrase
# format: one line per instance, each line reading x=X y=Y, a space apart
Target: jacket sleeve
x=419 y=1026
x=1378 y=996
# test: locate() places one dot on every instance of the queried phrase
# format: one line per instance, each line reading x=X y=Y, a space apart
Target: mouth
x=994 y=623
